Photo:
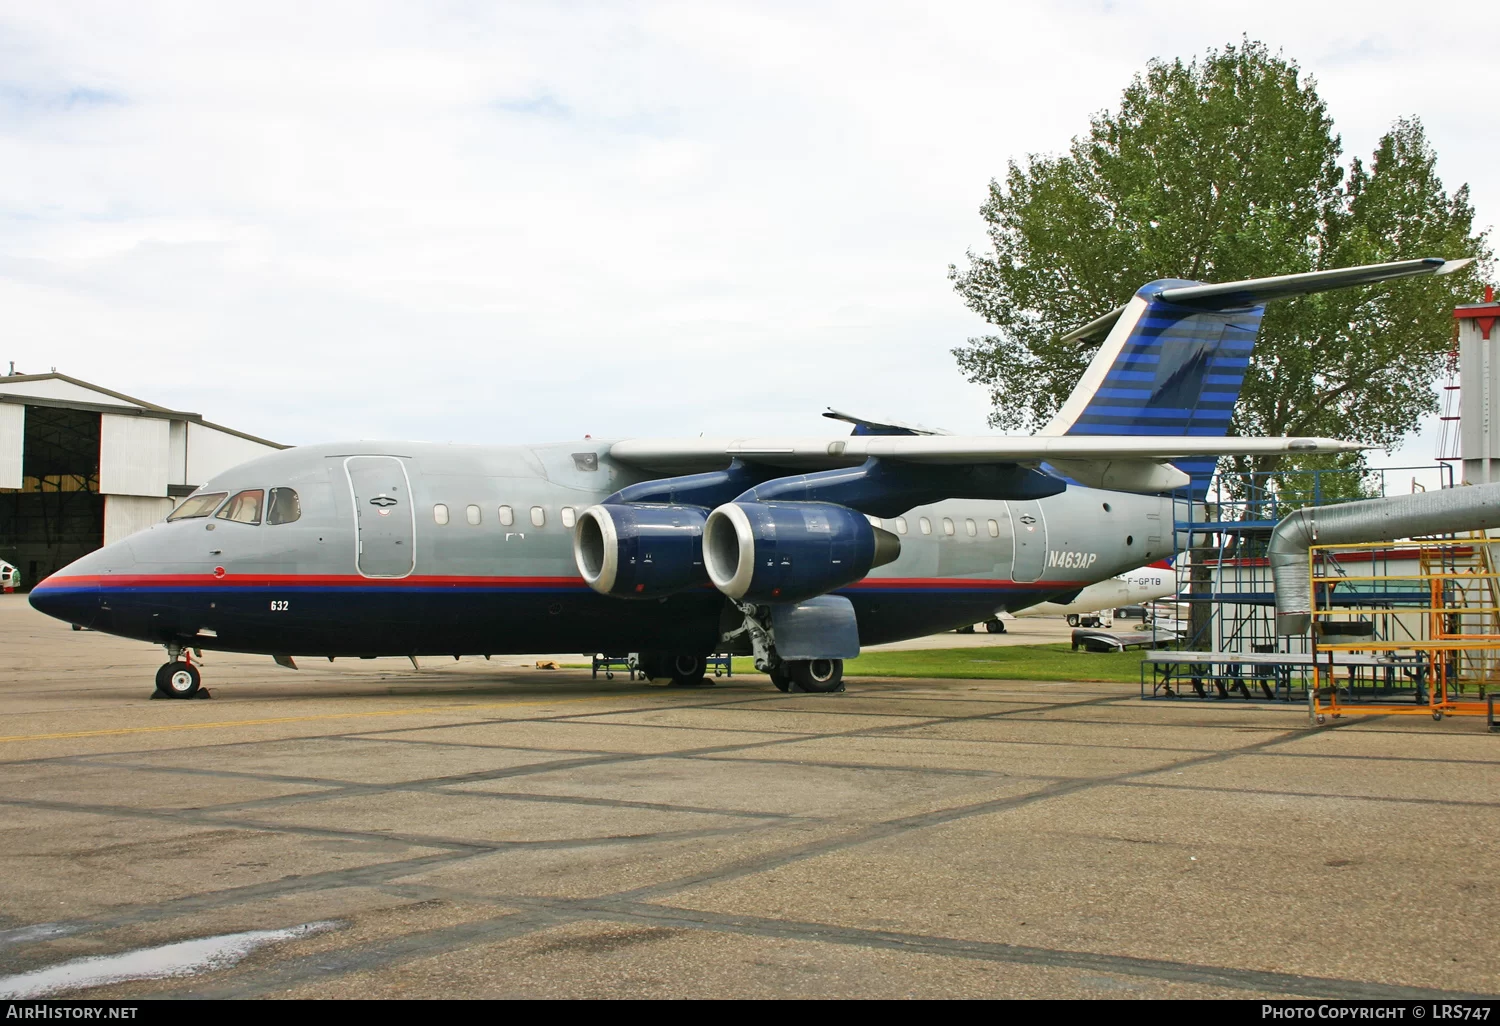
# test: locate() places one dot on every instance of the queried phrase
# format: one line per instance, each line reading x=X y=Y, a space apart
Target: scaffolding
x=1429 y=635
x=1223 y=574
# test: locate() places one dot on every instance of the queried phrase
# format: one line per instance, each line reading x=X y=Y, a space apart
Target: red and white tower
x=1479 y=381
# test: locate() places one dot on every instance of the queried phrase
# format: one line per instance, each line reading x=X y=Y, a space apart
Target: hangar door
x=12 y=441
x=133 y=455
x=384 y=515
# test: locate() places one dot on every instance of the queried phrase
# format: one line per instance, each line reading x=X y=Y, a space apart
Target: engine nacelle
x=632 y=550
x=790 y=551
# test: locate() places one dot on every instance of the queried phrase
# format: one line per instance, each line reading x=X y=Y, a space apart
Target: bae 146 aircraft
x=797 y=550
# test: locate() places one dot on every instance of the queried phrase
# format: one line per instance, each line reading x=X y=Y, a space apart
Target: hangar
x=82 y=466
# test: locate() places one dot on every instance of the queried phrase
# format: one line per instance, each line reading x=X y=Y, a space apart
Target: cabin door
x=384 y=515
x=1030 y=528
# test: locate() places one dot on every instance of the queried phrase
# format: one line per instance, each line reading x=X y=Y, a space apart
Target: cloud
x=518 y=223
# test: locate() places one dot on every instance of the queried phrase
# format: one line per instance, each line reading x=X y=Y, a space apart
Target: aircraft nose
x=72 y=601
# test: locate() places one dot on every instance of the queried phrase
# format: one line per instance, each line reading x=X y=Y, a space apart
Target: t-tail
x=1173 y=359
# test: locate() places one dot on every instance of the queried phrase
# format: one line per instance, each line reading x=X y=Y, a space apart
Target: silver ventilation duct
x=1473 y=508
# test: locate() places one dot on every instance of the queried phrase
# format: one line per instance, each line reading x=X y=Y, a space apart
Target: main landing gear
x=178 y=677
x=818 y=676
x=685 y=669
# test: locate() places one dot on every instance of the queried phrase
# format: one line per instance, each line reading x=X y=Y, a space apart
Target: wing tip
x=1449 y=266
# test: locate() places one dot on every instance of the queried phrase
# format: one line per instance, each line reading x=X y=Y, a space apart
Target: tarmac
x=472 y=829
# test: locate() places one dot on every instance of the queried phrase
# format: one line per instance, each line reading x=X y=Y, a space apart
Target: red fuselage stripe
x=426 y=580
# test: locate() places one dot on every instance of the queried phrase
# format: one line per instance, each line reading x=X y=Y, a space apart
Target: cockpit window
x=244 y=508
x=197 y=506
x=284 y=507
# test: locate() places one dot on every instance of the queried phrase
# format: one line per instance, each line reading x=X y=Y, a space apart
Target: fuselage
x=426 y=549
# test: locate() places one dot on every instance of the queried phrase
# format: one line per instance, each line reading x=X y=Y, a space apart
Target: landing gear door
x=1030 y=527
x=384 y=516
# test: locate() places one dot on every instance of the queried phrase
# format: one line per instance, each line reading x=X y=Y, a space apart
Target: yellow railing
x=1438 y=626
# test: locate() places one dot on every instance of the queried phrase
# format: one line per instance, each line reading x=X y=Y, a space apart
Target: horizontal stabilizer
x=1258 y=290
x=1096 y=330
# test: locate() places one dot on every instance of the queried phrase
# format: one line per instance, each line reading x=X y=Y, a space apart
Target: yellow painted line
x=424 y=710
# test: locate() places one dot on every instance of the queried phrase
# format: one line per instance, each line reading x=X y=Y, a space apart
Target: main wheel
x=178 y=680
x=780 y=679
x=967 y=628
x=994 y=626
x=649 y=665
x=819 y=676
x=687 y=671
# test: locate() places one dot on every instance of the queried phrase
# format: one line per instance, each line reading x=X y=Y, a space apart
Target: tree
x=1217 y=170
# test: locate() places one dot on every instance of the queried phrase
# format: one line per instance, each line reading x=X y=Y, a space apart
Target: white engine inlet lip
x=609 y=558
x=737 y=583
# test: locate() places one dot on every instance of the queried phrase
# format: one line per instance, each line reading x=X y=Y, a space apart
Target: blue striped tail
x=1165 y=369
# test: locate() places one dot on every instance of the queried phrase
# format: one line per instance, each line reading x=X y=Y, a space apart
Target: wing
x=1125 y=462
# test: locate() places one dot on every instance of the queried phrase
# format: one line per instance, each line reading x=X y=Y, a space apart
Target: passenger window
x=900 y=525
x=994 y=529
x=244 y=508
x=569 y=516
x=972 y=528
x=948 y=527
x=440 y=514
x=507 y=516
x=472 y=513
x=197 y=506
x=925 y=525
x=538 y=517
x=284 y=507
x=874 y=521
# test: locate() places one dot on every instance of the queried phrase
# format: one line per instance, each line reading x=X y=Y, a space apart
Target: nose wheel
x=178 y=677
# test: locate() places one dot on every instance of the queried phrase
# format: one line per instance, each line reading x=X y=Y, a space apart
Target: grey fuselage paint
x=461 y=588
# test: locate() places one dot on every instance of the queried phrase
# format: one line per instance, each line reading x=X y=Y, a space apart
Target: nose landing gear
x=178 y=677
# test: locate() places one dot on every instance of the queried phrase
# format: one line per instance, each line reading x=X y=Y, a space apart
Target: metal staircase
x=1471 y=595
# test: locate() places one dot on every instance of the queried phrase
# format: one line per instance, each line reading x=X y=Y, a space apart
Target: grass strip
x=1002 y=662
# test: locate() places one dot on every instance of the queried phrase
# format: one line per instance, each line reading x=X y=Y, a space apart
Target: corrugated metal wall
x=126 y=514
x=211 y=452
x=12 y=443
x=133 y=456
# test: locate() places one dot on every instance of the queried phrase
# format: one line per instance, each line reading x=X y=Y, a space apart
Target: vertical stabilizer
x=1165 y=369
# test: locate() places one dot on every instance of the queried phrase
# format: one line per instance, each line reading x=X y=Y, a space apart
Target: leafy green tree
x=1220 y=169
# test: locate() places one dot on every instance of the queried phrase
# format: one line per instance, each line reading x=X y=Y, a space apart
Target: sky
x=530 y=222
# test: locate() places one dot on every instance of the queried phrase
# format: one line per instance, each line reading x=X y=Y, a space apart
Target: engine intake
x=641 y=550
x=790 y=551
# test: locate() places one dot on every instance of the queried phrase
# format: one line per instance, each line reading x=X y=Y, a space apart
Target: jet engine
x=640 y=550
x=791 y=551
